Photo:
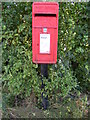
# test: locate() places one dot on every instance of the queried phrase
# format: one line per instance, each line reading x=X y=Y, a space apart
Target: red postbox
x=44 y=32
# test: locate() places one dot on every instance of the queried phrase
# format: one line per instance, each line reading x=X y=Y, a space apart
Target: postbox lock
x=44 y=30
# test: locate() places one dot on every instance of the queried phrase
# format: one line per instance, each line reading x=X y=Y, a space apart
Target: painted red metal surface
x=44 y=32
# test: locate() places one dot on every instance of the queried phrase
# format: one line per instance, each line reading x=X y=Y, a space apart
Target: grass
x=68 y=107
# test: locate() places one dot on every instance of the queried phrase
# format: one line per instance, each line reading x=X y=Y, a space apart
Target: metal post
x=44 y=73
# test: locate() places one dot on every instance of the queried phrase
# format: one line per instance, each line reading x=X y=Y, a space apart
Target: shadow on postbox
x=44 y=32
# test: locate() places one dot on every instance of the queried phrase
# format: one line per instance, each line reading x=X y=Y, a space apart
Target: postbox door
x=46 y=44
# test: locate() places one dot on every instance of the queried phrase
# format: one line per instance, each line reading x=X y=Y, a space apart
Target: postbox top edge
x=45 y=3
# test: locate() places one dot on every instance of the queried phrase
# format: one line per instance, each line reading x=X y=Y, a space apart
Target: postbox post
x=44 y=73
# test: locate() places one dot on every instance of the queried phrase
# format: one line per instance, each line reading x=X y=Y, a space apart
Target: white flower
x=59 y=60
x=64 y=48
x=7 y=6
x=72 y=3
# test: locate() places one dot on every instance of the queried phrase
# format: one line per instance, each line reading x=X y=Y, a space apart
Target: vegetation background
x=69 y=78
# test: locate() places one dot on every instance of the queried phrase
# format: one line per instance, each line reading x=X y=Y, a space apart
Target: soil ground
x=66 y=108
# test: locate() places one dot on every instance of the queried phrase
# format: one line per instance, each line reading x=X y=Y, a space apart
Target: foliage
x=20 y=75
x=73 y=40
